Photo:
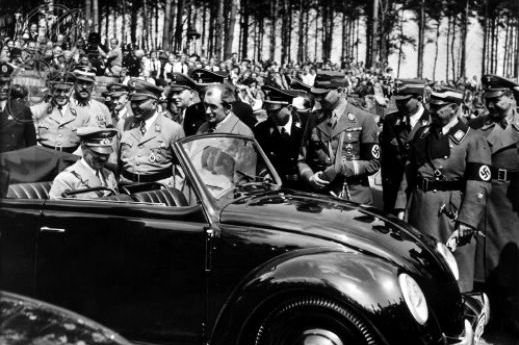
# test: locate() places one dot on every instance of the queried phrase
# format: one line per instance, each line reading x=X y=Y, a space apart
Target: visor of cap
x=136 y=96
x=319 y=91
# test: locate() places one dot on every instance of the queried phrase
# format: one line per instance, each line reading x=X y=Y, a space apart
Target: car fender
x=366 y=284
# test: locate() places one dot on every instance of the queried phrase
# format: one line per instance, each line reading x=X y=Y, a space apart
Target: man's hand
x=317 y=182
x=460 y=237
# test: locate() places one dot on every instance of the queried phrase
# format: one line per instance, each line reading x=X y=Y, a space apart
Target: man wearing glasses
x=219 y=115
x=146 y=150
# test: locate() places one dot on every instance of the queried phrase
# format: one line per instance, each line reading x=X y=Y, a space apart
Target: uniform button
x=445 y=157
x=480 y=196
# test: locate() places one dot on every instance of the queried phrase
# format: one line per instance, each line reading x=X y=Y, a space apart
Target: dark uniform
x=242 y=110
x=395 y=139
x=193 y=116
x=281 y=143
x=344 y=147
x=448 y=183
x=498 y=253
x=16 y=125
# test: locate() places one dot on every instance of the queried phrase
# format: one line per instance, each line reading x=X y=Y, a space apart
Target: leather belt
x=60 y=148
x=147 y=177
x=427 y=184
x=503 y=175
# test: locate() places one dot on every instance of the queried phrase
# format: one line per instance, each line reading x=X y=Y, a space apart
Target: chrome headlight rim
x=414 y=298
x=449 y=259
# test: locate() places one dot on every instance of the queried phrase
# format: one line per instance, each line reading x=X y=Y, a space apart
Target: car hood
x=359 y=228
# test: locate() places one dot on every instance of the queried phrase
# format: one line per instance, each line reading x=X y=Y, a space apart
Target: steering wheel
x=87 y=190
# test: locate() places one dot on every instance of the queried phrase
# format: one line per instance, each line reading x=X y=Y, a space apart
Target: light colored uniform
x=81 y=176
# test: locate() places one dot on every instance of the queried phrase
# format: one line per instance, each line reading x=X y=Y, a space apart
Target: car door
x=20 y=222
x=137 y=268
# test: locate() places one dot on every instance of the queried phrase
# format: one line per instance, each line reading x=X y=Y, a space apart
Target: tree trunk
x=260 y=42
x=301 y=38
x=133 y=22
x=421 y=38
x=230 y=33
x=369 y=32
x=204 y=28
x=95 y=16
x=284 y=29
x=219 y=27
x=316 y=33
x=452 y=50
x=463 y=45
x=123 y=24
x=156 y=41
x=387 y=28
x=375 y=34
x=516 y=72
x=436 y=49
x=144 y=37
x=245 y=29
x=88 y=14
x=166 y=39
x=107 y=22
x=447 y=49
x=485 y=41
x=273 y=19
x=401 y=43
x=179 y=25
x=327 y=31
x=115 y=15
x=345 y=39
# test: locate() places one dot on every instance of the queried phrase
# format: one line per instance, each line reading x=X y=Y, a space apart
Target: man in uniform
x=397 y=132
x=146 y=150
x=340 y=147
x=122 y=112
x=498 y=253
x=89 y=171
x=16 y=127
x=83 y=103
x=191 y=113
x=220 y=117
x=56 y=121
x=281 y=134
x=448 y=180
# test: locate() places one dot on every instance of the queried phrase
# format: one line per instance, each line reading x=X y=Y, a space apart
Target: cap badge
x=105 y=141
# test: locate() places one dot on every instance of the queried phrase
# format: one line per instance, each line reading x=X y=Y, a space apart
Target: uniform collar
x=450 y=126
x=149 y=121
x=87 y=166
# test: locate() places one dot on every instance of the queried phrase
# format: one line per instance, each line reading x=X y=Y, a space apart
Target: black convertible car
x=227 y=256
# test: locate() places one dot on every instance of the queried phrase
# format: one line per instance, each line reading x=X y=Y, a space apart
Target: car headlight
x=449 y=258
x=414 y=298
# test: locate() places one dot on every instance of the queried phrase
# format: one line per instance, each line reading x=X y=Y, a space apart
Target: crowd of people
x=447 y=153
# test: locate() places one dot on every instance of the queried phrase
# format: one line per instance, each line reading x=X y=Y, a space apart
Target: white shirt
x=287 y=126
x=148 y=122
x=413 y=119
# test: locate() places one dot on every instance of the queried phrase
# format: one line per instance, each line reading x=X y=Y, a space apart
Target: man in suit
x=397 y=133
x=220 y=118
x=146 y=151
x=242 y=110
x=89 y=171
x=16 y=126
x=340 y=146
x=280 y=136
x=122 y=112
x=184 y=92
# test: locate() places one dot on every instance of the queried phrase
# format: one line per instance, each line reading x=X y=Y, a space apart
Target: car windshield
x=230 y=166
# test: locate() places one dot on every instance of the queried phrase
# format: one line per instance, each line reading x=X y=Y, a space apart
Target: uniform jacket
x=395 y=141
x=232 y=125
x=496 y=257
x=282 y=150
x=79 y=176
x=97 y=112
x=55 y=129
x=359 y=153
x=16 y=127
x=461 y=155
x=153 y=152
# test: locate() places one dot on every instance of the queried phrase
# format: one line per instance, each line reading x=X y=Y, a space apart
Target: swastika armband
x=369 y=151
x=478 y=172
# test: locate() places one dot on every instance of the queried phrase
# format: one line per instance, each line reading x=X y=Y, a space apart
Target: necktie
x=101 y=178
x=142 y=127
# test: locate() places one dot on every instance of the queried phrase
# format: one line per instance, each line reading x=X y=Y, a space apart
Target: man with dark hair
x=340 y=147
x=448 y=181
x=498 y=253
x=220 y=118
x=16 y=126
x=281 y=134
x=183 y=91
x=398 y=131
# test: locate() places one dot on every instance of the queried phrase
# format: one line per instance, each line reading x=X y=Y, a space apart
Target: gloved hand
x=317 y=182
x=460 y=237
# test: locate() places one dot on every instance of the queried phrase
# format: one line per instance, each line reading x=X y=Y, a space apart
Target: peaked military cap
x=61 y=79
x=328 y=80
x=407 y=88
x=275 y=97
x=182 y=82
x=444 y=96
x=496 y=86
x=142 y=90
x=117 y=89
x=6 y=71
x=97 y=139
x=297 y=84
x=203 y=76
x=85 y=74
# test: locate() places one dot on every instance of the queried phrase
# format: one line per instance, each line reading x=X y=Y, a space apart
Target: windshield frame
x=214 y=205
